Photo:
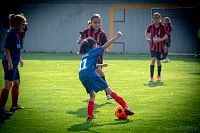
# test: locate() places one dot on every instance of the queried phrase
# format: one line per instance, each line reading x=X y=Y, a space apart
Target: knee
x=92 y=96
x=8 y=85
x=16 y=84
x=158 y=62
x=153 y=60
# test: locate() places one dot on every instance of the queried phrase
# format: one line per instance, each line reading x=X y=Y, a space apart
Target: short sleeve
x=10 y=41
x=149 y=29
x=104 y=39
x=164 y=30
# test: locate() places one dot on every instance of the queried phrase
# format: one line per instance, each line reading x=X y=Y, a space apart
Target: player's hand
x=156 y=39
x=104 y=65
x=10 y=65
x=21 y=63
x=148 y=40
x=119 y=34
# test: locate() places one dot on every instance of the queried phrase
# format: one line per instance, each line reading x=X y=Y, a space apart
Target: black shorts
x=157 y=55
x=168 y=44
x=10 y=75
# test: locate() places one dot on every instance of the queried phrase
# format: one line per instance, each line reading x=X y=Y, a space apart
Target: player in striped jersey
x=95 y=31
x=168 y=41
x=158 y=35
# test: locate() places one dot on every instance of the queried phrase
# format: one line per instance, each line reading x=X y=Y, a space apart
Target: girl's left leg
x=159 y=70
x=15 y=96
x=91 y=105
x=119 y=100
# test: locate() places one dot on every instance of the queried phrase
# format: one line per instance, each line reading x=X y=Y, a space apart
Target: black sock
x=159 y=70
x=166 y=55
x=151 y=70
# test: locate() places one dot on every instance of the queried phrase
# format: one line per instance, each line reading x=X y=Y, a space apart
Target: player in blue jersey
x=89 y=77
x=10 y=61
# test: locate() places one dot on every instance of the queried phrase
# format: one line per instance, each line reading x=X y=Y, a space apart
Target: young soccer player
x=95 y=31
x=10 y=61
x=89 y=77
x=168 y=26
x=158 y=35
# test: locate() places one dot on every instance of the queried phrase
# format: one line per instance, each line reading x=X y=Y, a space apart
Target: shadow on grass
x=89 y=124
x=83 y=111
x=155 y=84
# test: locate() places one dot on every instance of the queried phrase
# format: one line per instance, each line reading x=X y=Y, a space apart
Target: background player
x=158 y=35
x=10 y=61
x=168 y=25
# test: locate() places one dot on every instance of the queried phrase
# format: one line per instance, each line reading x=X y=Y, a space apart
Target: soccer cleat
x=128 y=111
x=167 y=59
x=12 y=109
x=151 y=79
x=108 y=96
x=90 y=117
x=159 y=78
x=5 y=113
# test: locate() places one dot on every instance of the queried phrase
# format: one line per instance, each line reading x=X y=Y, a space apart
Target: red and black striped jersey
x=156 y=32
x=169 y=29
x=99 y=36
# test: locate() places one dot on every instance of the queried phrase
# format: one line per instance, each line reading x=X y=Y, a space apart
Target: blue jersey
x=14 y=44
x=88 y=62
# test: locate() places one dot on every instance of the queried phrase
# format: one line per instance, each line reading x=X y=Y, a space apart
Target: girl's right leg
x=91 y=105
x=119 y=100
x=153 y=60
x=4 y=97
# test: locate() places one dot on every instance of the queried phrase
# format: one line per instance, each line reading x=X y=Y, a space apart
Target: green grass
x=58 y=101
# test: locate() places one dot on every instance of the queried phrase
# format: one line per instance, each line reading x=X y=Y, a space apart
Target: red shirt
x=99 y=36
x=157 y=32
x=169 y=29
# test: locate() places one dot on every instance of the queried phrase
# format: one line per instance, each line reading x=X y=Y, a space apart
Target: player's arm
x=8 y=57
x=147 y=36
x=79 y=40
x=112 y=40
x=101 y=65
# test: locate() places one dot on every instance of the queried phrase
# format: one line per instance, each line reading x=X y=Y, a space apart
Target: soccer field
x=57 y=101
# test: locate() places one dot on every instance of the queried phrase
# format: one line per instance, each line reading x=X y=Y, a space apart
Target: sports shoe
x=128 y=111
x=159 y=78
x=12 y=109
x=108 y=96
x=5 y=113
x=151 y=79
x=90 y=117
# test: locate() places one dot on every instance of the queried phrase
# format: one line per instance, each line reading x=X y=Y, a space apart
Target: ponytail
x=87 y=44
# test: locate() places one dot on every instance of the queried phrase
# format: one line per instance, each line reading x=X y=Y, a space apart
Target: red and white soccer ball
x=119 y=112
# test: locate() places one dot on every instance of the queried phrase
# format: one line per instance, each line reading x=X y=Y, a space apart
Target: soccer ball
x=119 y=112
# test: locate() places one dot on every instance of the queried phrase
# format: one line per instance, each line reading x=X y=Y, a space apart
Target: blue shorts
x=92 y=82
x=10 y=75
